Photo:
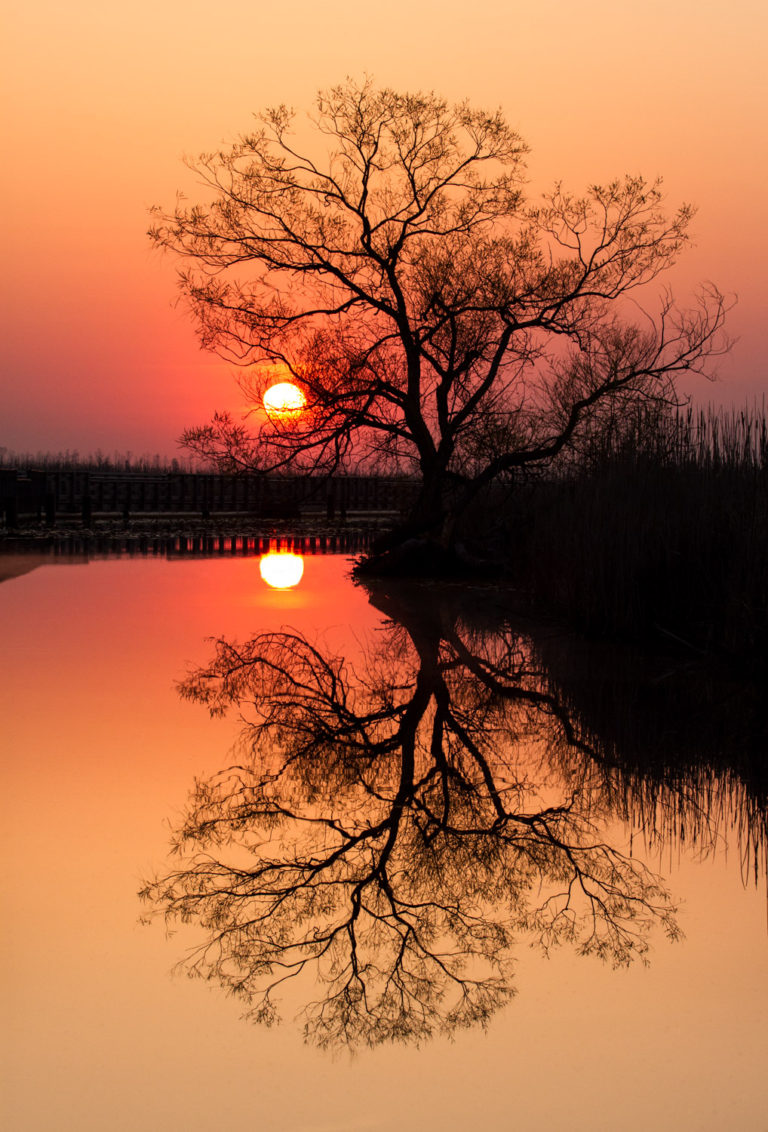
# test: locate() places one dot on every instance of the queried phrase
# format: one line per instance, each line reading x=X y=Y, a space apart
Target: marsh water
x=427 y=864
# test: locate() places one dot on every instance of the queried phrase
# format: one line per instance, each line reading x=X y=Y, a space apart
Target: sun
x=281 y=570
x=284 y=400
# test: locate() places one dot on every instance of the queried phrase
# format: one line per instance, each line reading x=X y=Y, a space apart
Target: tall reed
x=655 y=526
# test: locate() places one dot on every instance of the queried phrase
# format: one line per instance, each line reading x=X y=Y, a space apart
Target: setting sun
x=281 y=570
x=284 y=400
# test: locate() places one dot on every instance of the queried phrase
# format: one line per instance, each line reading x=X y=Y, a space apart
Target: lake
x=514 y=892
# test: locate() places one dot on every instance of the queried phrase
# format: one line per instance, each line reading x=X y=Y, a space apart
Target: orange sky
x=104 y=101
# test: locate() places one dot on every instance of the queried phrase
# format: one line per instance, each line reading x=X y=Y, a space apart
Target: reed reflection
x=681 y=745
x=391 y=831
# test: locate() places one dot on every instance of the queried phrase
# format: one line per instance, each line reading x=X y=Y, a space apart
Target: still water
x=513 y=889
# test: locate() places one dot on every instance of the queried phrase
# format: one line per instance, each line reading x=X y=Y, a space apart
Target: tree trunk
x=423 y=543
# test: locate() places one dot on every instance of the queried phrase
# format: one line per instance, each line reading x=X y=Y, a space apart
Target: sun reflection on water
x=281 y=570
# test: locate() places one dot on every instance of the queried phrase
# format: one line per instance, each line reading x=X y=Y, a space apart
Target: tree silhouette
x=389 y=835
x=434 y=318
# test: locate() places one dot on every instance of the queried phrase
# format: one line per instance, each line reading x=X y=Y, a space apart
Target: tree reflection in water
x=390 y=832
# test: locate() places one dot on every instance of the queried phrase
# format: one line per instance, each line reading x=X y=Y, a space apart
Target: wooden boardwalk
x=54 y=496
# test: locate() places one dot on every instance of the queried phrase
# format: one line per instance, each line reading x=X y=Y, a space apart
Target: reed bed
x=656 y=526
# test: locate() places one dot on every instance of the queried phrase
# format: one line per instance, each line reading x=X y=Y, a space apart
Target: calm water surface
x=429 y=784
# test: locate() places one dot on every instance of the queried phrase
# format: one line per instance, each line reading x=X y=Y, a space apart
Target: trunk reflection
x=390 y=833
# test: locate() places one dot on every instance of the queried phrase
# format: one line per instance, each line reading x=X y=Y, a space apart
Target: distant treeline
x=72 y=461
x=655 y=527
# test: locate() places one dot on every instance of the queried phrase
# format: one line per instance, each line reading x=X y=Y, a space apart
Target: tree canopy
x=435 y=318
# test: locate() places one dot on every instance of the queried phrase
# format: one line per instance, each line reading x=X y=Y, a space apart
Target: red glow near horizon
x=127 y=372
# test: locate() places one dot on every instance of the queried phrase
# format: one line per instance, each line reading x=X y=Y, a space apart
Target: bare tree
x=389 y=836
x=432 y=316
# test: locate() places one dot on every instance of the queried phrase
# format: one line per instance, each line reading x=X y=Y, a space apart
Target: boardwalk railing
x=52 y=495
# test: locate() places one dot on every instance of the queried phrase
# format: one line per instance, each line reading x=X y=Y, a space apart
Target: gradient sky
x=103 y=102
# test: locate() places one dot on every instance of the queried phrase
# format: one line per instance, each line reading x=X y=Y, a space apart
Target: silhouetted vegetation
x=652 y=524
x=71 y=460
x=431 y=315
x=389 y=834
x=682 y=745
x=656 y=526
